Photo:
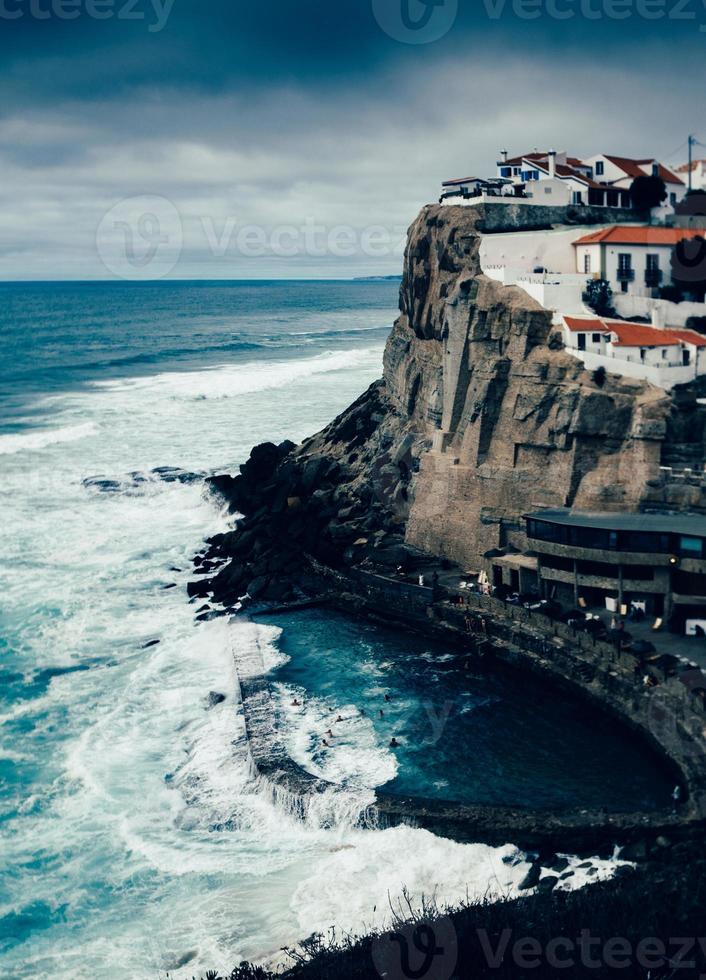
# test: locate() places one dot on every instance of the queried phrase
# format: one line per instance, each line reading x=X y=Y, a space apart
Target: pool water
x=468 y=731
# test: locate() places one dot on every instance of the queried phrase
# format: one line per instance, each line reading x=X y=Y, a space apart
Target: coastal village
x=628 y=298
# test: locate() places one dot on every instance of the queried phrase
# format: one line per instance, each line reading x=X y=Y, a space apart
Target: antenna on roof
x=692 y=140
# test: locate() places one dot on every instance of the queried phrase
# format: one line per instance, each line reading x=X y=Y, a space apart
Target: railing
x=625 y=274
x=653 y=277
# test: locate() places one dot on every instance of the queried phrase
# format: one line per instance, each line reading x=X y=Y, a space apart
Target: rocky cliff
x=480 y=417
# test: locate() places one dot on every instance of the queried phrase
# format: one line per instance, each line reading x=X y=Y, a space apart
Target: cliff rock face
x=515 y=422
x=480 y=417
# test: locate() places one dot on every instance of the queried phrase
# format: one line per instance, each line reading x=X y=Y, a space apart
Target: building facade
x=663 y=356
x=634 y=259
x=652 y=562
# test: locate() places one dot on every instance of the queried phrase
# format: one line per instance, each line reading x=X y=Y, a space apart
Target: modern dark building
x=654 y=561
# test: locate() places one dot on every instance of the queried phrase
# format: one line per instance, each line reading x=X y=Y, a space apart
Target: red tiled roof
x=640 y=335
x=690 y=337
x=684 y=169
x=639 y=235
x=538 y=157
x=635 y=334
x=585 y=324
x=633 y=168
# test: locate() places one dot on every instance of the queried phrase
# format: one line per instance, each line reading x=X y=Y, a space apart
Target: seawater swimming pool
x=468 y=732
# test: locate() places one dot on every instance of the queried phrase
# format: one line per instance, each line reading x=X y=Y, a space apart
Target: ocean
x=136 y=836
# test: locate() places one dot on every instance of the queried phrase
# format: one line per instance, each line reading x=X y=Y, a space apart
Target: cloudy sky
x=288 y=138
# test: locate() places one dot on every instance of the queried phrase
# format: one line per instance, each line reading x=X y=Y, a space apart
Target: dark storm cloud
x=220 y=44
x=297 y=114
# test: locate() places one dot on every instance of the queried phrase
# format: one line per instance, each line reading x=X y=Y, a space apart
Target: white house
x=602 y=180
x=566 y=178
x=618 y=173
x=634 y=259
x=663 y=356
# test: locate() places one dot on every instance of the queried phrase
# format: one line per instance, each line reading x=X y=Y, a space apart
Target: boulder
x=531 y=879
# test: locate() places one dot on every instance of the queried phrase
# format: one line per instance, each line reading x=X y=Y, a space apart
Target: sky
x=299 y=139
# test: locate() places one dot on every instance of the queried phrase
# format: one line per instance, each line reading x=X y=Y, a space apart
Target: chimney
x=552 y=163
x=658 y=318
x=503 y=154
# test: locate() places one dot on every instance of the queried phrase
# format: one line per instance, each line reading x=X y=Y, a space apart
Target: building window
x=673 y=199
x=625 y=265
x=691 y=547
x=587 y=262
x=655 y=170
x=595 y=338
x=599 y=168
x=505 y=171
x=664 y=354
x=517 y=171
x=576 y=197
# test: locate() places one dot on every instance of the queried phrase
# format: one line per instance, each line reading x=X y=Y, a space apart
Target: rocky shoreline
x=479 y=414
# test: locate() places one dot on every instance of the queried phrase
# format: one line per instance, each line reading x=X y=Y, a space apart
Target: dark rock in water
x=257 y=586
x=624 y=871
x=214 y=698
x=567 y=874
x=244 y=493
x=172 y=474
x=201 y=589
x=150 y=643
x=181 y=961
x=547 y=884
x=635 y=851
x=204 y=608
x=559 y=864
x=585 y=864
x=513 y=859
x=172 y=585
x=531 y=879
x=174 y=568
x=102 y=484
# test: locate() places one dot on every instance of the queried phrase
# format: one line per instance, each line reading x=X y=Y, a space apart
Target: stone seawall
x=507 y=216
x=669 y=718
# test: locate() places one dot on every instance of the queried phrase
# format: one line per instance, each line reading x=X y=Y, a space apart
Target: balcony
x=625 y=274
x=653 y=277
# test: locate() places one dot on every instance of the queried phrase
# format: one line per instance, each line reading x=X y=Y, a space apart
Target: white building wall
x=669 y=356
x=628 y=305
x=593 y=346
x=594 y=253
x=527 y=250
x=638 y=254
x=561 y=295
x=662 y=377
